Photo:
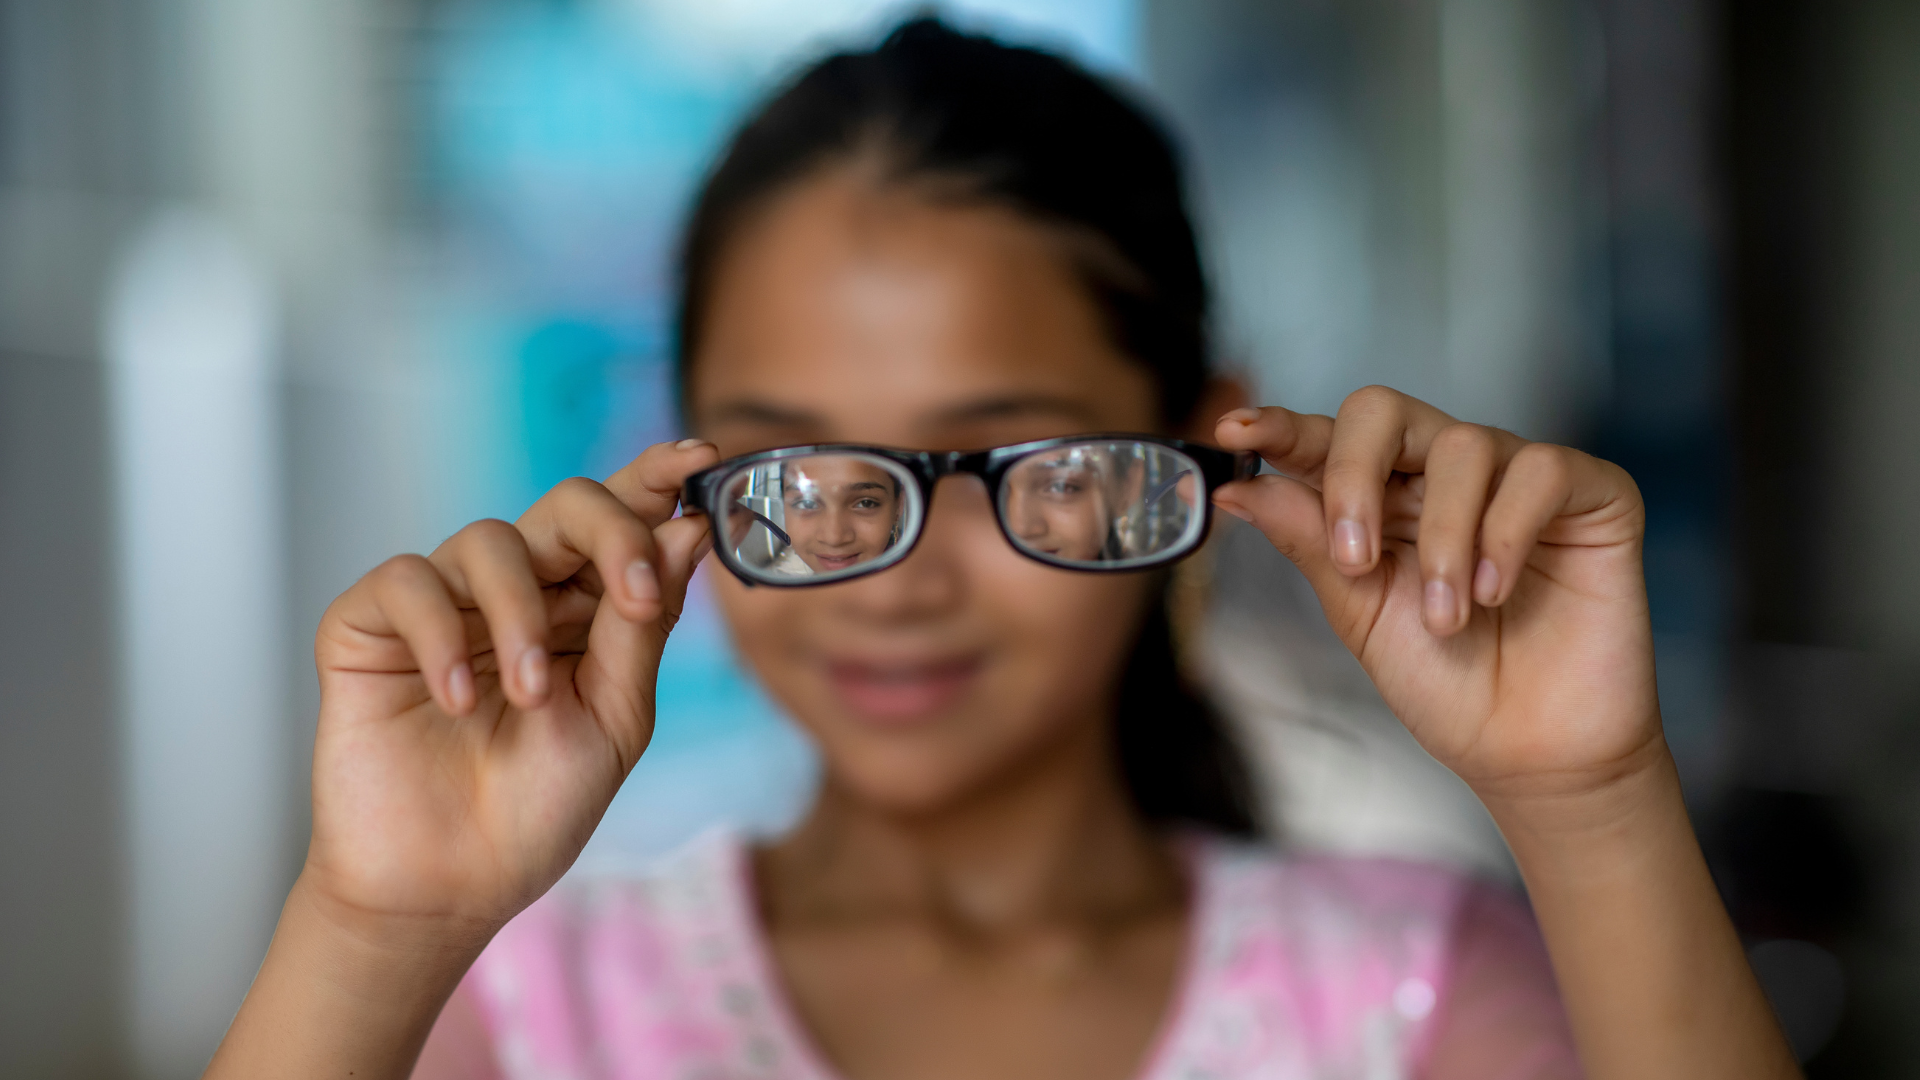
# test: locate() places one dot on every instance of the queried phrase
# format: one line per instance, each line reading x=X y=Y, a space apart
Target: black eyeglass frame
x=701 y=493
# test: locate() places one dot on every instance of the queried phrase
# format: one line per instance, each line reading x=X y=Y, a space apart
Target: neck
x=1056 y=841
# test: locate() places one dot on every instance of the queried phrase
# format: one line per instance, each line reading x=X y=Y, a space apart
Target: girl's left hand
x=1491 y=587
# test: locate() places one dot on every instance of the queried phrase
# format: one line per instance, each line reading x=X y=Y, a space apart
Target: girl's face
x=842 y=313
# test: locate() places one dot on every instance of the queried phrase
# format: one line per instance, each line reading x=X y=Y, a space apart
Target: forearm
x=1654 y=978
x=339 y=996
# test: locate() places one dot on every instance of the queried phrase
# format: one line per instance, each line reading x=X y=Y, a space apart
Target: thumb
x=1290 y=514
x=682 y=542
x=630 y=650
x=623 y=655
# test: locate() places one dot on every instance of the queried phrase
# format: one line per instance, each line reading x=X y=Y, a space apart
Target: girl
x=1030 y=854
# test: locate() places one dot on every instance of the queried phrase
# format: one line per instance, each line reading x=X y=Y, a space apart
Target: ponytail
x=1178 y=760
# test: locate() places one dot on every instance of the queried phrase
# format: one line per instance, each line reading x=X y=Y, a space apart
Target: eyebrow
x=1017 y=405
x=761 y=412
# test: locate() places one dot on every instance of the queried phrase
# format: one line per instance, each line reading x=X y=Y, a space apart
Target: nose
x=932 y=581
x=961 y=501
x=839 y=528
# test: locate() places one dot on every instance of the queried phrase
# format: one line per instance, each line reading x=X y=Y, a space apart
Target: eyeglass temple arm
x=691 y=504
x=778 y=532
x=1246 y=466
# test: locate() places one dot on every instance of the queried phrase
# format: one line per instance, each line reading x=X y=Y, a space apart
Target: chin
x=909 y=773
x=891 y=798
x=914 y=783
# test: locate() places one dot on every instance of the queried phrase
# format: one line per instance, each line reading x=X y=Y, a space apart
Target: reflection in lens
x=1057 y=503
x=840 y=511
x=818 y=515
x=1103 y=503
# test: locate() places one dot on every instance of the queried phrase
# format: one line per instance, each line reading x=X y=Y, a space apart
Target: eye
x=802 y=502
x=867 y=502
x=1063 y=482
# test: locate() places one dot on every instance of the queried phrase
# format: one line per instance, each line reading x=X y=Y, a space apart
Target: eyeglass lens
x=1109 y=504
x=818 y=516
x=823 y=517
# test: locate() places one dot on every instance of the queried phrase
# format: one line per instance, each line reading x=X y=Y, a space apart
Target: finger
x=1288 y=512
x=1294 y=443
x=618 y=671
x=580 y=522
x=1400 y=511
x=1553 y=494
x=1459 y=473
x=682 y=543
x=650 y=484
x=1378 y=432
x=405 y=597
x=488 y=563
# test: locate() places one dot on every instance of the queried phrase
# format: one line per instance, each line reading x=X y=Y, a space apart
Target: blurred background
x=289 y=286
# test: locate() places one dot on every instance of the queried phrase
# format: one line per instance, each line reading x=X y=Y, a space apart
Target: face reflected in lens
x=840 y=511
x=1057 y=504
x=817 y=516
x=1103 y=503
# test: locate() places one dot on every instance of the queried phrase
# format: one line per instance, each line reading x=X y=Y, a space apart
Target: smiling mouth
x=901 y=693
x=838 y=562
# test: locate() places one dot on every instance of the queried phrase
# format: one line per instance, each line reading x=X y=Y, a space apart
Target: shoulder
x=1324 y=961
x=648 y=967
x=687 y=894
x=1359 y=901
x=1394 y=917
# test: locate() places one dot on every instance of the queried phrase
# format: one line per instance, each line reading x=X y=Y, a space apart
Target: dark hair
x=970 y=119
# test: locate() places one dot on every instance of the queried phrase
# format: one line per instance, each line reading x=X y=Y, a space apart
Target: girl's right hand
x=480 y=707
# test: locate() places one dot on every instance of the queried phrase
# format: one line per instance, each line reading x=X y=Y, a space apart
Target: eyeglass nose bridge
x=933 y=466
x=945 y=463
x=938 y=465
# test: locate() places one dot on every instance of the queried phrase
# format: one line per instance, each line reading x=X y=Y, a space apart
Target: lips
x=838 y=562
x=901 y=693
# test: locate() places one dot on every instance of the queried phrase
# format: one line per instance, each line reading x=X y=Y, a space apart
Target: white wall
x=194 y=414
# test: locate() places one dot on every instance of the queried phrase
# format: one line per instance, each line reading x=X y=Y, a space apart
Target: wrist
x=375 y=938
x=1594 y=802
x=1632 y=827
x=1652 y=972
x=345 y=991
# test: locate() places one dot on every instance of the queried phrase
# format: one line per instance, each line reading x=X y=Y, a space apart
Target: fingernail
x=460 y=687
x=1486 y=582
x=1442 y=608
x=1349 y=543
x=1237 y=511
x=641 y=584
x=690 y=444
x=1244 y=416
x=533 y=671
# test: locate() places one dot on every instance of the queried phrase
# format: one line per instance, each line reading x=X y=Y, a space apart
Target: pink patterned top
x=1299 y=967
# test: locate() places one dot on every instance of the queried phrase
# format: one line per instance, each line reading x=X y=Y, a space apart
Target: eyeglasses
x=810 y=515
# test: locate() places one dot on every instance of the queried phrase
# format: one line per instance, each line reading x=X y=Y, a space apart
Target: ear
x=1221 y=395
